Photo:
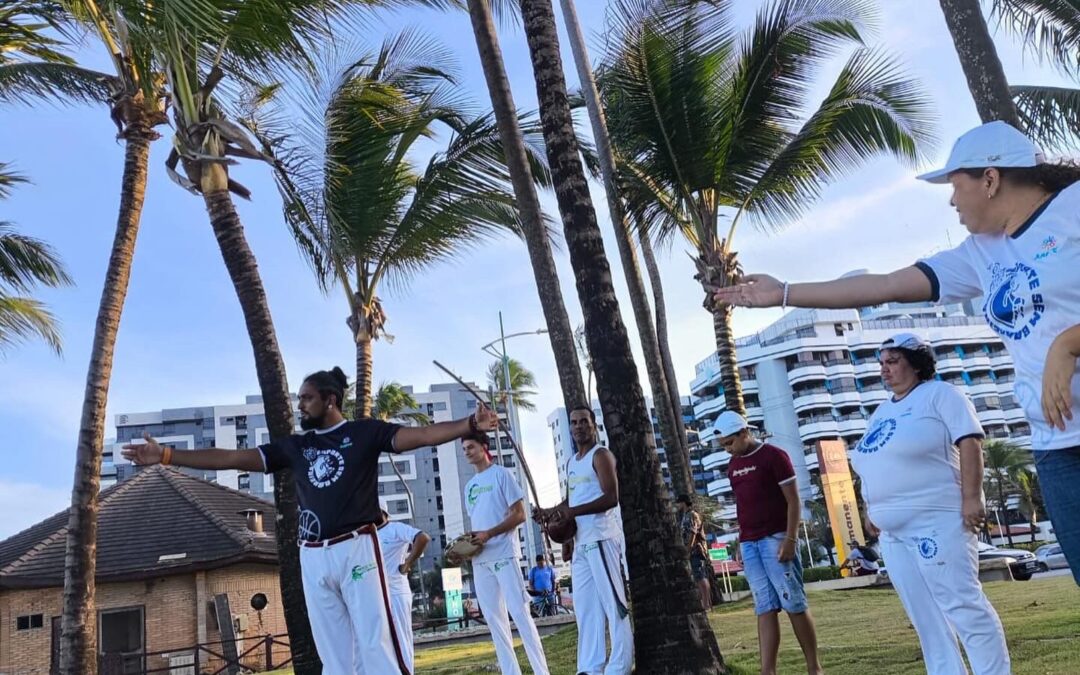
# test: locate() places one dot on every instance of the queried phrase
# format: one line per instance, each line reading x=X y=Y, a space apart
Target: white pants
x=600 y=606
x=934 y=565
x=401 y=608
x=499 y=588
x=349 y=608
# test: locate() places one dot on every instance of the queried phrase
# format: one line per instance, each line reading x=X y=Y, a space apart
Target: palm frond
x=391 y=402
x=9 y=179
x=27 y=82
x=1049 y=29
x=26 y=262
x=23 y=319
x=873 y=108
x=1051 y=115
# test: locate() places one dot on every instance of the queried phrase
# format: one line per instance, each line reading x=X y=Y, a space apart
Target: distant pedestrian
x=693 y=536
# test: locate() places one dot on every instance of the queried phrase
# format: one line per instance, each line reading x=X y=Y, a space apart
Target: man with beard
x=597 y=551
x=335 y=466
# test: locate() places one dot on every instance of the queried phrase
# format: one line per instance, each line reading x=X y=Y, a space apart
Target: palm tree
x=532 y=221
x=521 y=388
x=32 y=68
x=200 y=44
x=672 y=632
x=392 y=402
x=668 y=407
x=979 y=60
x=1003 y=460
x=708 y=126
x=1030 y=493
x=364 y=212
x=25 y=262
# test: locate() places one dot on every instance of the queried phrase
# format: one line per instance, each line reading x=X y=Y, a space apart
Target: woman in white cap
x=1023 y=257
x=921 y=466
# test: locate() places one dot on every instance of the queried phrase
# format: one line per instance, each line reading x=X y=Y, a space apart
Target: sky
x=182 y=340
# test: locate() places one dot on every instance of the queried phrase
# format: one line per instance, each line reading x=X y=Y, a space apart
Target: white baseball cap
x=728 y=423
x=905 y=341
x=995 y=144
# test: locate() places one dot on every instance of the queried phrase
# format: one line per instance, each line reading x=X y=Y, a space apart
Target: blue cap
x=995 y=144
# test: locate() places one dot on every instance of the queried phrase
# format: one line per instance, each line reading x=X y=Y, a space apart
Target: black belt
x=369 y=529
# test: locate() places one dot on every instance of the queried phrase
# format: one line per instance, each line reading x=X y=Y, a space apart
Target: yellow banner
x=839 y=492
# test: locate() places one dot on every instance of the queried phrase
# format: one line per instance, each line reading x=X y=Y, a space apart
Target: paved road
x=1052 y=573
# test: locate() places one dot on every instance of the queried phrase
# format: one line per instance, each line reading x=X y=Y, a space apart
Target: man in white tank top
x=596 y=553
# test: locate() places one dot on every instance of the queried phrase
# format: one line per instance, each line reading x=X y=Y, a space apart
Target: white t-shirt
x=1030 y=282
x=859 y=559
x=908 y=459
x=488 y=498
x=395 y=539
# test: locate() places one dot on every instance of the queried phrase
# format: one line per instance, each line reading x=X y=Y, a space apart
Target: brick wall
x=170 y=614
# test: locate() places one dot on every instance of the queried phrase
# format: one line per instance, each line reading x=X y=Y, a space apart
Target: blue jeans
x=1059 y=476
x=776 y=585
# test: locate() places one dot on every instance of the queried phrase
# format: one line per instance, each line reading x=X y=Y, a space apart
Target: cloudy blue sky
x=182 y=341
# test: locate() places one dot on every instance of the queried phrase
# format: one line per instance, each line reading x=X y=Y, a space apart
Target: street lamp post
x=508 y=392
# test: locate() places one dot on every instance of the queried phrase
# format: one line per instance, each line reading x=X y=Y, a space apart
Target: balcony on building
x=708 y=410
x=716 y=460
x=805 y=371
x=811 y=397
x=719 y=487
x=818 y=426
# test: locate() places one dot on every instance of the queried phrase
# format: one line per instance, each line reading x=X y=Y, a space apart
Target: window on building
x=438 y=503
x=382 y=488
x=508 y=461
x=241 y=442
x=243 y=481
x=440 y=405
x=120 y=632
x=438 y=483
x=29 y=621
x=403 y=467
x=442 y=523
x=401 y=507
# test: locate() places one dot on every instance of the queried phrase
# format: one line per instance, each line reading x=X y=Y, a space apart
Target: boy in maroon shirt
x=768 y=510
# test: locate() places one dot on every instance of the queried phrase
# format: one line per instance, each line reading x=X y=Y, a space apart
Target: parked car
x=1050 y=557
x=1022 y=564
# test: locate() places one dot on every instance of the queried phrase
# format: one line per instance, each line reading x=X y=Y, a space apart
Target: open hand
x=143 y=453
x=753 y=290
x=1056 y=385
x=486 y=418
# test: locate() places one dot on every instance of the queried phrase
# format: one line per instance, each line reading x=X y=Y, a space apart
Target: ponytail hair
x=329 y=382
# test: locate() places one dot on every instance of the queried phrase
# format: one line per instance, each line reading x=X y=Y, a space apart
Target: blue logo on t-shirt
x=1013 y=303
x=928 y=548
x=878 y=436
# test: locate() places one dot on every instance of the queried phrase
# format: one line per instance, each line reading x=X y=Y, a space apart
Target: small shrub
x=820 y=574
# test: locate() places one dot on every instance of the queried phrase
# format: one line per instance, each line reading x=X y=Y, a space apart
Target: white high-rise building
x=814 y=375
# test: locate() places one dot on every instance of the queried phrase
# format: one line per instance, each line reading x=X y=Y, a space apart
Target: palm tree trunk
x=270 y=370
x=979 y=59
x=674 y=441
x=560 y=332
x=672 y=633
x=662 y=341
x=363 y=374
x=730 y=381
x=78 y=632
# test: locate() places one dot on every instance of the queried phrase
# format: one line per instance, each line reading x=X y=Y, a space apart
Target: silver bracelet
x=787 y=286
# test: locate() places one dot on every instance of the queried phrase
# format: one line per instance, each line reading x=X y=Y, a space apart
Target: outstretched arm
x=909 y=284
x=411 y=438
x=151 y=452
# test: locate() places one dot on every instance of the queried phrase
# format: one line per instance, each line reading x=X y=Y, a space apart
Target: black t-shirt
x=336 y=472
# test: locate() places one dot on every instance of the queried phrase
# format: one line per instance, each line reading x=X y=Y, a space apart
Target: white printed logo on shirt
x=1014 y=304
x=878 y=436
x=738 y=473
x=326 y=466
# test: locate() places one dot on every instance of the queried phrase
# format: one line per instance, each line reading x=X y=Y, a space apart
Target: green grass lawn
x=859 y=632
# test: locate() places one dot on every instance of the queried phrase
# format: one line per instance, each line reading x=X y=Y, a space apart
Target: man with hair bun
x=335 y=465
